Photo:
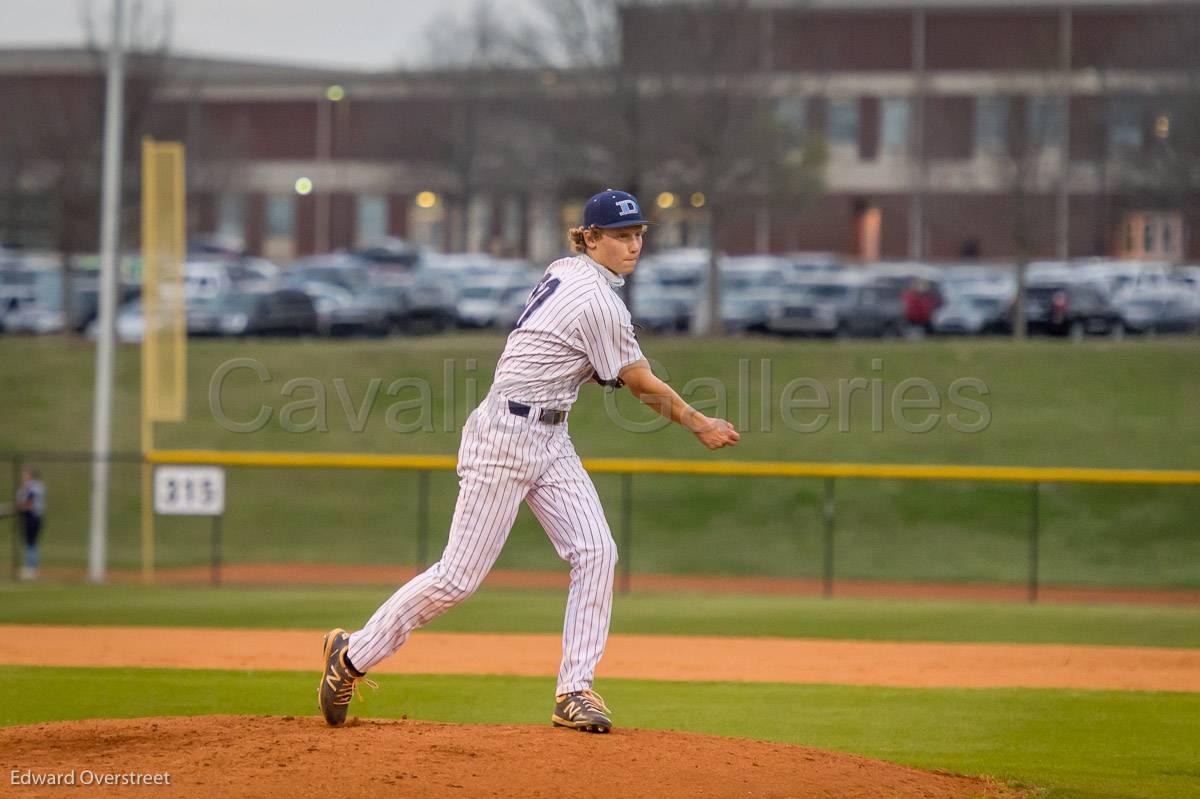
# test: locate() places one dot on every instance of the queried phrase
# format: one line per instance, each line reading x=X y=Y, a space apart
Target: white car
x=129 y=326
x=206 y=279
x=973 y=313
x=492 y=304
x=35 y=319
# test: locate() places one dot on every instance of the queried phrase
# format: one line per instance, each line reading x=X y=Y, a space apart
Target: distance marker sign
x=189 y=490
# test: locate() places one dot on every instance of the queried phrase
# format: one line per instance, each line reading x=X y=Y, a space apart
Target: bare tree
x=1026 y=169
x=475 y=57
x=56 y=130
x=715 y=127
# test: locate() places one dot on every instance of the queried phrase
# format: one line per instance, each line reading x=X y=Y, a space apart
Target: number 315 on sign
x=189 y=490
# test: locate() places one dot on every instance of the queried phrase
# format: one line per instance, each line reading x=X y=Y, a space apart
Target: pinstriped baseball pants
x=504 y=459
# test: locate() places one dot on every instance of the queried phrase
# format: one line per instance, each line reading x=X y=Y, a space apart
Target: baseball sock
x=350 y=666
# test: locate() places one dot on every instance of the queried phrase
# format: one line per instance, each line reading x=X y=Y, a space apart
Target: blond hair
x=575 y=235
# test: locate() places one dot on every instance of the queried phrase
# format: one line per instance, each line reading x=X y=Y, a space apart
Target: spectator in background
x=921 y=299
x=31 y=504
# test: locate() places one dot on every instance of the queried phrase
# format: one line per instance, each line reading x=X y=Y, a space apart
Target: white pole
x=109 y=219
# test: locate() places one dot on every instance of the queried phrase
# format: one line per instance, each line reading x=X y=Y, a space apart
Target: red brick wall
x=263 y=130
x=972 y=41
x=807 y=40
x=256 y=222
x=341 y=220
x=305 y=236
x=1123 y=38
x=398 y=205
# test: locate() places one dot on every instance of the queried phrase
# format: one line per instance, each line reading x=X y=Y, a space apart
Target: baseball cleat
x=582 y=710
x=338 y=681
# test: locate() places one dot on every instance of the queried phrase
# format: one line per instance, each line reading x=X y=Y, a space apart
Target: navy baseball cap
x=611 y=208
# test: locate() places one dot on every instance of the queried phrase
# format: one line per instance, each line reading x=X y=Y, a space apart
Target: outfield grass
x=540 y=611
x=1079 y=744
x=1115 y=404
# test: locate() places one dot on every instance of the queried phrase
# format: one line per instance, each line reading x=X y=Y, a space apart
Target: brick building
x=953 y=130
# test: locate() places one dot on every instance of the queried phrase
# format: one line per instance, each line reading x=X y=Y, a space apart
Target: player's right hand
x=716 y=433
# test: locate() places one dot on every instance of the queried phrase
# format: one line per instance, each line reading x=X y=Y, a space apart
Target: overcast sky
x=367 y=34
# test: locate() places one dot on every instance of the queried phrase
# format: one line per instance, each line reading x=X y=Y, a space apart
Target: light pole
x=333 y=94
x=110 y=211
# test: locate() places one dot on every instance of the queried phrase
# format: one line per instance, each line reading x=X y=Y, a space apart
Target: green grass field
x=1080 y=744
x=540 y=611
x=1051 y=403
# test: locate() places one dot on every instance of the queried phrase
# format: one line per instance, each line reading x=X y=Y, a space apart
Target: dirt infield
x=882 y=663
x=345 y=574
x=287 y=757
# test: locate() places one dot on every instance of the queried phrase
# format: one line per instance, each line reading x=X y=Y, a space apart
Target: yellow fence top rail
x=886 y=471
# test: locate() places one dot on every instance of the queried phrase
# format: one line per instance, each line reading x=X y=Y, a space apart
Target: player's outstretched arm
x=713 y=433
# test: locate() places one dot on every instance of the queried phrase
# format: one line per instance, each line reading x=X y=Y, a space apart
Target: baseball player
x=515 y=447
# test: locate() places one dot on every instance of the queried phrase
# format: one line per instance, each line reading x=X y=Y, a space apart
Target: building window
x=281 y=216
x=370 y=218
x=1044 y=122
x=894 y=126
x=1124 y=126
x=231 y=216
x=991 y=125
x=843 y=123
x=792 y=115
x=1152 y=234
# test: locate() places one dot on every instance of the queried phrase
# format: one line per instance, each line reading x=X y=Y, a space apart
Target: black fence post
x=626 y=557
x=828 y=509
x=1034 y=525
x=422 y=519
x=216 y=550
x=17 y=538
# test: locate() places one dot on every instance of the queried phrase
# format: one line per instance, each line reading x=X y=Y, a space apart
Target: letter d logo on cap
x=626 y=207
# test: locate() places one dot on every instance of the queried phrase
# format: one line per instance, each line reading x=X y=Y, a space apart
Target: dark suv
x=1060 y=308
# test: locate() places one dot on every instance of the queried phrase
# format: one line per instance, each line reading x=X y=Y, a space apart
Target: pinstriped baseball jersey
x=573 y=323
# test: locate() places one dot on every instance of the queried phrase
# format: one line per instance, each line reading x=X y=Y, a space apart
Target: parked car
x=31 y=297
x=281 y=311
x=973 y=314
x=1186 y=276
x=129 y=325
x=326 y=298
x=1121 y=277
x=374 y=312
x=391 y=254
x=848 y=306
x=495 y=303
x=682 y=268
x=347 y=271
x=813 y=308
x=877 y=310
x=978 y=279
x=812 y=265
x=456 y=269
x=206 y=279
x=250 y=273
x=1060 y=308
x=660 y=308
x=1160 y=312
x=417 y=302
x=750 y=288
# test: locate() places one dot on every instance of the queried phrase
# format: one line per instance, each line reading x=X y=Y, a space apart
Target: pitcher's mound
x=290 y=757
